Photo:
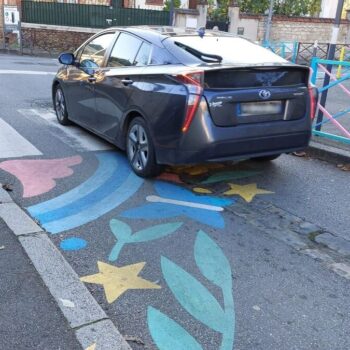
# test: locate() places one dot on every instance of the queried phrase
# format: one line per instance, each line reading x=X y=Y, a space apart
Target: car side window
x=124 y=51
x=94 y=51
x=142 y=58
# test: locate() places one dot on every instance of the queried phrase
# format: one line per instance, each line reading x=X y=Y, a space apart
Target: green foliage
x=281 y=7
x=177 y=4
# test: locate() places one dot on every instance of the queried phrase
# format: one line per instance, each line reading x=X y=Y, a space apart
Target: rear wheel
x=140 y=149
x=60 y=106
x=267 y=158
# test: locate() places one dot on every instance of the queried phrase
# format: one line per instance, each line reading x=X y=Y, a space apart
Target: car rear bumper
x=206 y=142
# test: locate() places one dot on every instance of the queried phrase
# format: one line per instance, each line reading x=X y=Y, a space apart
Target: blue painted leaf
x=167 y=334
x=155 y=232
x=121 y=230
x=193 y=296
x=211 y=261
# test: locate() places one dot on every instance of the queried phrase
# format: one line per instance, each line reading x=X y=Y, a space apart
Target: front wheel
x=61 y=107
x=140 y=149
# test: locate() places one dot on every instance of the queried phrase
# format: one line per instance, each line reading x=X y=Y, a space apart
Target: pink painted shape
x=334 y=121
x=38 y=176
x=333 y=77
x=170 y=177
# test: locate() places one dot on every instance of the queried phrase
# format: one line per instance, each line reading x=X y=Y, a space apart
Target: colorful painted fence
x=339 y=121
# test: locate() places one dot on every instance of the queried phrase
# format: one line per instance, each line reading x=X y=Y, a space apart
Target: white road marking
x=74 y=136
x=13 y=145
x=157 y=199
x=25 y=72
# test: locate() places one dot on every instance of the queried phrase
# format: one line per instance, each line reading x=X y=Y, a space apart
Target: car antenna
x=201 y=32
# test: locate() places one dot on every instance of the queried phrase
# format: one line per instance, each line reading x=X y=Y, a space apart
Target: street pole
x=2 y=9
x=171 y=13
x=269 y=22
x=330 y=56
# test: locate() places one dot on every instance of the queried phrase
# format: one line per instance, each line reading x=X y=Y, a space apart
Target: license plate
x=260 y=108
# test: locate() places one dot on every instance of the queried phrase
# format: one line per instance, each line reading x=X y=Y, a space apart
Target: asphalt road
x=175 y=286
x=30 y=319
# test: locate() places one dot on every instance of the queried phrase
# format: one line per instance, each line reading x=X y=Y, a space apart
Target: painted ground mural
x=198 y=194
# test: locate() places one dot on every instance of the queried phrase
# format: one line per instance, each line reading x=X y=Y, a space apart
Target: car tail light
x=313 y=94
x=194 y=83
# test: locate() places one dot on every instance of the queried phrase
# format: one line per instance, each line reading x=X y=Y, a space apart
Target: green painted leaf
x=167 y=334
x=211 y=261
x=155 y=232
x=193 y=296
x=229 y=176
x=120 y=229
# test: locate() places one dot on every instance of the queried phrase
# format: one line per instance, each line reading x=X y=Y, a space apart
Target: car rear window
x=233 y=50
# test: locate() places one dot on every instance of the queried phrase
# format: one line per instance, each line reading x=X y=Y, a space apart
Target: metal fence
x=333 y=121
x=91 y=16
x=285 y=49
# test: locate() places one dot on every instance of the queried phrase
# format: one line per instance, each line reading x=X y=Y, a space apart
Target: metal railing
x=285 y=49
x=91 y=16
x=335 y=123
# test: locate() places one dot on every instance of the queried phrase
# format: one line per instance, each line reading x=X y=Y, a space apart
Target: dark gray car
x=175 y=96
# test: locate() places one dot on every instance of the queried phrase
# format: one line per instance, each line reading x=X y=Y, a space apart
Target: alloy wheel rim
x=138 y=147
x=60 y=104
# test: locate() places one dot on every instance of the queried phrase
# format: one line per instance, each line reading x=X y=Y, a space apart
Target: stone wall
x=302 y=29
x=51 y=40
x=284 y=28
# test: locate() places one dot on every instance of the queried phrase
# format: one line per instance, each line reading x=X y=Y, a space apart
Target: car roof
x=156 y=34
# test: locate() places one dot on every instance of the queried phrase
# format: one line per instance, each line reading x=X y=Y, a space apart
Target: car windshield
x=233 y=50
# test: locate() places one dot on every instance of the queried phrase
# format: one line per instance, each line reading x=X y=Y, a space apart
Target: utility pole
x=330 y=56
x=171 y=13
x=269 y=22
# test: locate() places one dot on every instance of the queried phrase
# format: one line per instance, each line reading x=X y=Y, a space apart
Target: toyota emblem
x=264 y=94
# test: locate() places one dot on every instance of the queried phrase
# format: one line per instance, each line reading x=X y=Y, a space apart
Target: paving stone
x=338 y=244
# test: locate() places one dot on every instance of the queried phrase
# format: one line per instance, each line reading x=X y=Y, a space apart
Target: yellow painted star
x=117 y=280
x=202 y=190
x=91 y=347
x=247 y=192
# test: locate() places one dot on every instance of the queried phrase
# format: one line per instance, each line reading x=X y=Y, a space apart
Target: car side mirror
x=66 y=58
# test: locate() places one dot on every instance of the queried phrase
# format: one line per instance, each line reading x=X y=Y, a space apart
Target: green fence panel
x=93 y=16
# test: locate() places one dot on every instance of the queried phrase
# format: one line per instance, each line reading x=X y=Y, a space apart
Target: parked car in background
x=178 y=96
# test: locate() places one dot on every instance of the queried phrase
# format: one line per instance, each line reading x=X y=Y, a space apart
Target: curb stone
x=84 y=315
x=328 y=153
x=298 y=234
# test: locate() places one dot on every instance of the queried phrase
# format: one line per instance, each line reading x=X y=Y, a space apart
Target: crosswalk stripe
x=13 y=145
x=73 y=136
x=25 y=72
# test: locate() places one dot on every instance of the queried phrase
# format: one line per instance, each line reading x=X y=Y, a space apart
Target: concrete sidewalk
x=30 y=318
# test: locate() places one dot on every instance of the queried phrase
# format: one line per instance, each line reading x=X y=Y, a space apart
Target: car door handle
x=92 y=79
x=127 y=81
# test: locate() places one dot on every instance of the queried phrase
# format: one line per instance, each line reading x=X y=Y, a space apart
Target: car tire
x=60 y=106
x=140 y=149
x=267 y=158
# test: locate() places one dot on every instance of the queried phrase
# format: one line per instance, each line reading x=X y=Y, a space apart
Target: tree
x=281 y=7
x=177 y=4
